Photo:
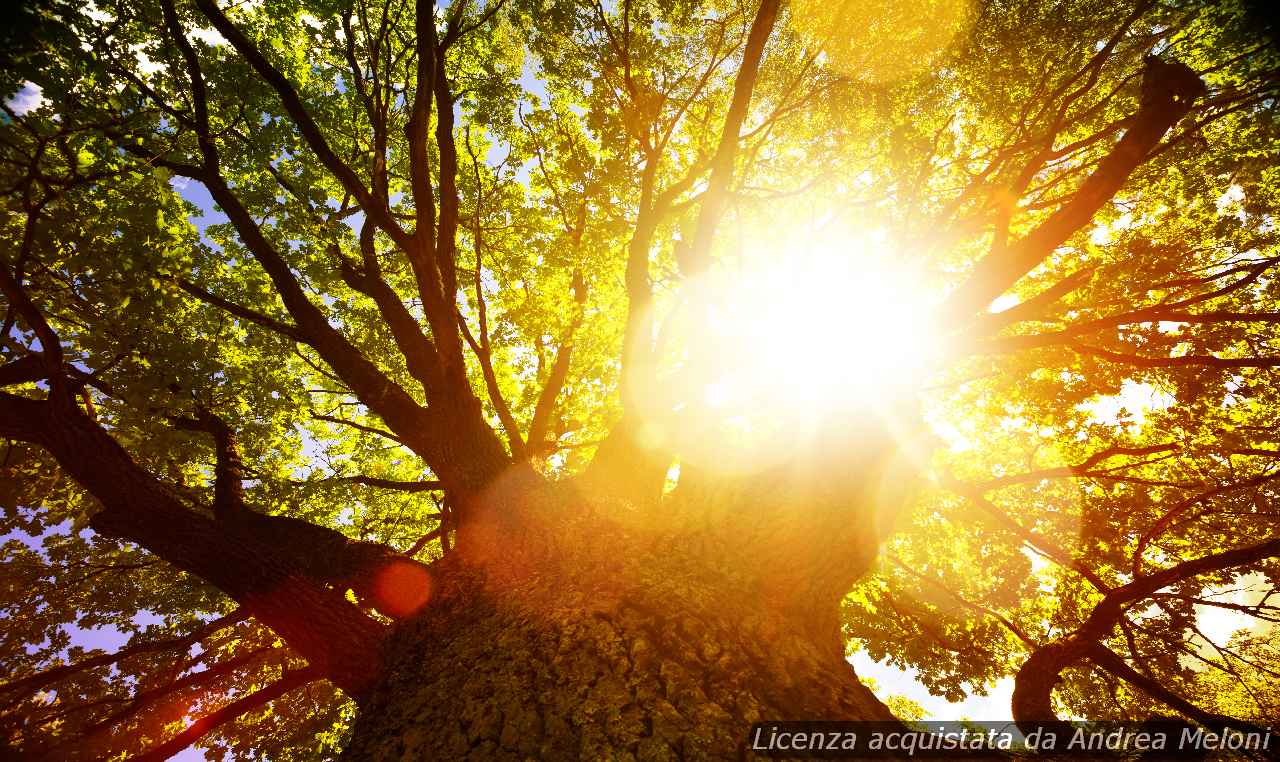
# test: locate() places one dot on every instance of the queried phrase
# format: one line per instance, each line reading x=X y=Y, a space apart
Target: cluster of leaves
x=1160 y=356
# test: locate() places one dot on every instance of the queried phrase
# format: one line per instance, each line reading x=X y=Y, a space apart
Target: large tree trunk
x=563 y=670
x=587 y=629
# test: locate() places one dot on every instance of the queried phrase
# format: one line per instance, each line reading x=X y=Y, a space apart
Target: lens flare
x=759 y=353
x=401 y=588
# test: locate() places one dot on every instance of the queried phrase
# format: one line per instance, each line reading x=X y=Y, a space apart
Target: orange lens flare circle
x=402 y=588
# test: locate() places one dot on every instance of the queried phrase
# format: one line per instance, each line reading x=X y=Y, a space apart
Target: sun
x=794 y=331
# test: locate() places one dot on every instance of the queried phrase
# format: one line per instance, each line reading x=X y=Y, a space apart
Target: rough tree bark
x=584 y=628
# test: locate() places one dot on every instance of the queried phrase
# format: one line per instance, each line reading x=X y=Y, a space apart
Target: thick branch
x=431 y=257
x=1037 y=306
x=25 y=369
x=1168 y=91
x=1034 y=683
x=228 y=470
x=722 y=164
x=405 y=417
x=1112 y=663
x=447 y=233
x=318 y=622
x=50 y=346
x=539 y=426
x=419 y=353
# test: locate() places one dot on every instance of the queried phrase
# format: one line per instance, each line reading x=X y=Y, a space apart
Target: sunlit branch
x=291 y=680
x=638 y=332
x=1167 y=518
x=930 y=629
x=447 y=230
x=1081 y=469
x=358 y=426
x=1258 y=451
x=654 y=205
x=719 y=55
x=1066 y=337
x=431 y=257
x=491 y=10
x=372 y=102
x=417 y=130
x=482 y=307
x=426 y=539
x=539 y=425
x=369 y=383
x=38 y=681
x=1254 y=269
x=373 y=481
x=302 y=118
x=509 y=423
x=1035 y=680
x=1253 y=101
x=1258 y=611
x=1181 y=361
x=1008 y=624
x=1168 y=92
x=1041 y=144
x=228 y=472
x=1174 y=312
x=1040 y=543
x=722 y=164
x=257 y=318
x=50 y=345
x=418 y=351
x=413 y=424
x=1116 y=666
x=317 y=621
x=202 y=680
x=1092 y=70
x=1035 y=308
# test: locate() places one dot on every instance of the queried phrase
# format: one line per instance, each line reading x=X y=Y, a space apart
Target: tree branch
x=257 y=318
x=263 y=577
x=33 y=683
x=539 y=426
x=198 y=729
x=722 y=163
x=1112 y=663
x=1206 y=361
x=302 y=118
x=228 y=470
x=1034 y=683
x=373 y=481
x=1168 y=92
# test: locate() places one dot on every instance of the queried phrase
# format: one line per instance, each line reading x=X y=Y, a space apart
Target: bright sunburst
x=789 y=336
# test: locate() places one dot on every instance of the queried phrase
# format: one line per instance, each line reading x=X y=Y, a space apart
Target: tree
x=529 y=378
